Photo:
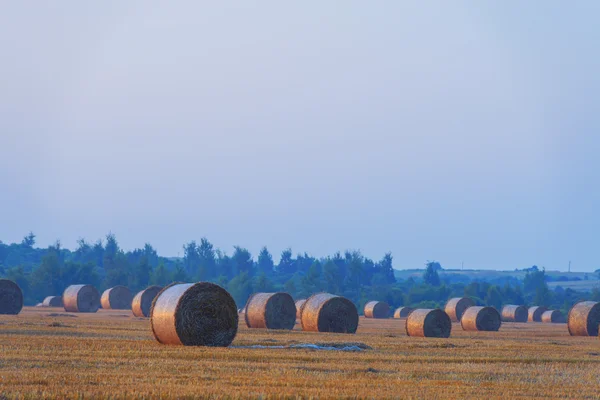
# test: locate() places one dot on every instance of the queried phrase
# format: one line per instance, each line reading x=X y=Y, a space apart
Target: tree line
x=104 y=264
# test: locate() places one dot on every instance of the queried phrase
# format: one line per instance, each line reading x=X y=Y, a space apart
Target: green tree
x=161 y=275
x=242 y=261
x=431 y=276
x=332 y=277
x=240 y=288
x=265 y=262
x=493 y=298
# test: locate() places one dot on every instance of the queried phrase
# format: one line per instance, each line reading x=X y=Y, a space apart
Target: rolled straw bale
x=402 y=312
x=270 y=311
x=584 y=318
x=553 y=317
x=456 y=307
x=535 y=313
x=53 y=301
x=81 y=298
x=514 y=313
x=142 y=302
x=11 y=297
x=428 y=323
x=377 y=309
x=325 y=312
x=116 y=298
x=481 y=319
x=299 y=304
x=194 y=314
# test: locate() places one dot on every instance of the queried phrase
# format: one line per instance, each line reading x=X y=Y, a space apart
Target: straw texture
x=402 y=312
x=535 y=313
x=11 y=297
x=53 y=301
x=81 y=298
x=194 y=314
x=456 y=307
x=428 y=323
x=270 y=311
x=116 y=298
x=553 y=317
x=325 y=312
x=584 y=318
x=377 y=309
x=514 y=313
x=299 y=304
x=481 y=319
x=142 y=302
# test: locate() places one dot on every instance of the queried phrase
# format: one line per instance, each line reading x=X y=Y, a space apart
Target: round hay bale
x=270 y=311
x=81 y=298
x=116 y=298
x=53 y=301
x=514 y=313
x=11 y=297
x=455 y=307
x=481 y=319
x=553 y=317
x=142 y=302
x=402 y=312
x=535 y=313
x=299 y=304
x=325 y=312
x=584 y=318
x=428 y=323
x=377 y=309
x=194 y=314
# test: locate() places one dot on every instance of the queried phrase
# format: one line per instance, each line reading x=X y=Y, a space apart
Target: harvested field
x=113 y=354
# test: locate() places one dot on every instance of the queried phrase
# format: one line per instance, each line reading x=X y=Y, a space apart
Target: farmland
x=50 y=353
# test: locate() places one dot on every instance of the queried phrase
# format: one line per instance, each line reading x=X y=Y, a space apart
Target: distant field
x=112 y=354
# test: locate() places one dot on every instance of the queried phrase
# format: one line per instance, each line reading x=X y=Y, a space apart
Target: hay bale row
x=116 y=298
x=553 y=317
x=11 y=297
x=53 y=301
x=481 y=319
x=514 y=313
x=142 y=302
x=535 y=313
x=584 y=319
x=194 y=314
x=402 y=312
x=428 y=323
x=299 y=304
x=456 y=307
x=81 y=298
x=377 y=309
x=270 y=311
x=325 y=312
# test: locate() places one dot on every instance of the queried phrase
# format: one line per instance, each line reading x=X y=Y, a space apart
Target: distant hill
x=581 y=281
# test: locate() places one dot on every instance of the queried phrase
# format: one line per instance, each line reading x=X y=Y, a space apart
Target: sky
x=453 y=131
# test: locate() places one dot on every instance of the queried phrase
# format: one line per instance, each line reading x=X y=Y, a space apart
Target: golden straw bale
x=116 y=298
x=53 y=301
x=481 y=319
x=325 y=312
x=535 y=313
x=584 y=318
x=142 y=302
x=377 y=309
x=81 y=298
x=299 y=304
x=428 y=323
x=270 y=311
x=402 y=312
x=11 y=297
x=514 y=313
x=456 y=307
x=553 y=317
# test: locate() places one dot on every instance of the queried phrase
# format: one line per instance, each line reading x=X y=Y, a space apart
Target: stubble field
x=47 y=353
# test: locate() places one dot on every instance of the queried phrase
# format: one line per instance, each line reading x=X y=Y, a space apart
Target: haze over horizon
x=455 y=133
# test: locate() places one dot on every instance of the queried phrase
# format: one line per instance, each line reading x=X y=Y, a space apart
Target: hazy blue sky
x=453 y=131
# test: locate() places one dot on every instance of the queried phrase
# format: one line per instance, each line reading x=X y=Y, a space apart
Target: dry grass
x=113 y=354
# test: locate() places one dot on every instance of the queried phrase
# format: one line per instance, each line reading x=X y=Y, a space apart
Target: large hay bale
x=584 y=318
x=142 y=302
x=325 y=312
x=481 y=319
x=377 y=309
x=534 y=314
x=116 y=298
x=53 y=301
x=428 y=323
x=402 y=312
x=553 y=317
x=299 y=304
x=514 y=313
x=194 y=314
x=81 y=298
x=11 y=297
x=270 y=311
x=455 y=307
